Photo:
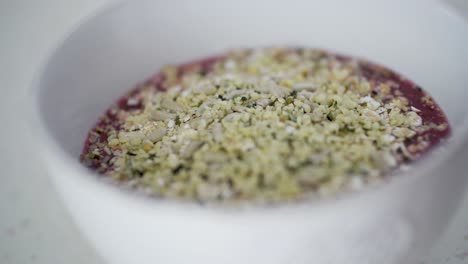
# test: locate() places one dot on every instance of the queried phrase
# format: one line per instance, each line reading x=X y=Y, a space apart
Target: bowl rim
x=431 y=160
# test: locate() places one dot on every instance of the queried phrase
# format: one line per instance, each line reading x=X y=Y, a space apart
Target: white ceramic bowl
x=107 y=54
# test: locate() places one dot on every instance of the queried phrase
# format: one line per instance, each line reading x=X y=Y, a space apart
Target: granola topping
x=270 y=124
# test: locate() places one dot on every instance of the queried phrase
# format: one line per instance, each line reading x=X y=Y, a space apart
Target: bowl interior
x=108 y=54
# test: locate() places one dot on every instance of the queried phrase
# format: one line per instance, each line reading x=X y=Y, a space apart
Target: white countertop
x=34 y=225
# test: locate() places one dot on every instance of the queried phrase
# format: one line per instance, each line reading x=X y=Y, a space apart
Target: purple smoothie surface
x=430 y=112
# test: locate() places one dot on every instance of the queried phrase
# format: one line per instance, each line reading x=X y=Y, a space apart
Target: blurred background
x=34 y=225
